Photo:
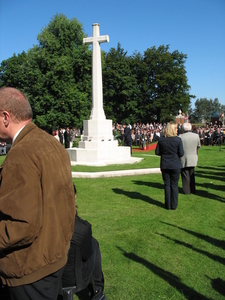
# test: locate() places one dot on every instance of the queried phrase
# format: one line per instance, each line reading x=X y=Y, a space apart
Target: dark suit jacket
x=171 y=150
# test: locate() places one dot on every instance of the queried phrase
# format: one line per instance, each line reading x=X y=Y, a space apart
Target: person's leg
x=174 y=178
x=48 y=288
x=192 y=180
x=130 y=145
x=185 y=180
x=166 y=179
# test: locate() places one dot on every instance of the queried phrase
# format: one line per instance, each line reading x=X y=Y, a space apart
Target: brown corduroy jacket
x=37 y=208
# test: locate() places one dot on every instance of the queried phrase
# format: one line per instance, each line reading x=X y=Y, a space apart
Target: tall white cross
x=97 y=112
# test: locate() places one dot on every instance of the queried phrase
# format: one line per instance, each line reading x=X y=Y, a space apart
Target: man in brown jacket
x=36 y=204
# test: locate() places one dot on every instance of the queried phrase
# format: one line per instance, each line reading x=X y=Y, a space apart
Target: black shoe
x=99 y=296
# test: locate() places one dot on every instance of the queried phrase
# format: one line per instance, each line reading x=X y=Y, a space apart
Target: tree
x=166 y=82
x=64 y=63
x=204 y=109
x=119 y=87
x=12 y=71
x=56 y=75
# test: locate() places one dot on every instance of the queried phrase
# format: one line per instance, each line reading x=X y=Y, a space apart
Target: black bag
x=4 y=293
x=79 y=253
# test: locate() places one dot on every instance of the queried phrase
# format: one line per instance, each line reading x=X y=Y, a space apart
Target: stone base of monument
x=101 y=157
x=98 y=147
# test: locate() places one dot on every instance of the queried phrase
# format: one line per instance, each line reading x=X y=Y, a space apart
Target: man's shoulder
x=188 y=135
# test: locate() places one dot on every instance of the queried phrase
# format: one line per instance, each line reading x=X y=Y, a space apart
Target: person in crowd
x=127 y=137
x=133 y=136
x=191 y=143
x=202 y=136
x=170 y=148
x=179 y=129
x=2 y=148
x=73 y=133
x=137 y=137
x=156 y=135
x=91 y=257
x=194 y=129
x=67 y=137
x=37 y=204
x=218 y=136
x=56 y=136
x=209 y=137
x=144 y=139
x=61 y=135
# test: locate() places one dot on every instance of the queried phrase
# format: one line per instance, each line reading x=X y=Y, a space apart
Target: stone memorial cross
x=97 y=112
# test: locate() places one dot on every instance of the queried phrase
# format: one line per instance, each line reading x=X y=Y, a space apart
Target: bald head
x=16 y=104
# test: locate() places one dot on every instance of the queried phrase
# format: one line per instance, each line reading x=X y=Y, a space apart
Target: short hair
x=170 y=130
x=194 y=127
x=16 y=104
x=187 y=127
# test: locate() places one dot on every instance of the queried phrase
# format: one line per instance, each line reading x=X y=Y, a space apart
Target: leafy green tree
x=12 y=71
x=55 y=75
x=204 y=108
x=166 y=82
x=64 y=63
x=144 y=113
x=120 y=87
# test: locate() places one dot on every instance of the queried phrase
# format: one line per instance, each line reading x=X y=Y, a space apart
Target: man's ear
x=6 y=118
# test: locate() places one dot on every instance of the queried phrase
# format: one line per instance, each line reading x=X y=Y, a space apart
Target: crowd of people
x=143 y=134
x=67 y=136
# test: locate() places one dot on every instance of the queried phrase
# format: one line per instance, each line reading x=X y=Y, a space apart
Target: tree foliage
x=204 y=108
x=56 y=75
x=120 y=87
x=166 y=82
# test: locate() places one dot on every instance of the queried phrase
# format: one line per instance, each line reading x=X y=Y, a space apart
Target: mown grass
x=152 y=253
x=149 y=252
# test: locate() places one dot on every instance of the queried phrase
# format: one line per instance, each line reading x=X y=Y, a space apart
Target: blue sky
x=193 y=27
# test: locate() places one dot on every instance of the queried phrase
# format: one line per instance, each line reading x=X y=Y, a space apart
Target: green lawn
x=152 y=253
x=149 y=252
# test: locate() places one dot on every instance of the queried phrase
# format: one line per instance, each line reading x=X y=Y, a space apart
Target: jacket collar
x=24 y=132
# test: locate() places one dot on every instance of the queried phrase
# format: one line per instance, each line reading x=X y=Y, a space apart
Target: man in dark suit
x=61 y=135
x=127 y=137
x=67 y=137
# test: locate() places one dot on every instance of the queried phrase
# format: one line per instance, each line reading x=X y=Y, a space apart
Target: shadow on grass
x=217 y=187
x=212 y=176
x=170 y=278
x=205 y=194
x=156 y=185
x=219 y=285
x=221 y=168
x=210 y=196
x=208 y=239
x=138 y=196
x=211 y=256
x=201 y=193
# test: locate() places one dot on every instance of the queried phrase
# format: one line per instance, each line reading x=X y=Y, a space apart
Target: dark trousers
x=128 y=143
x=171 y=178
x=188 y=180
x=48 y=288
